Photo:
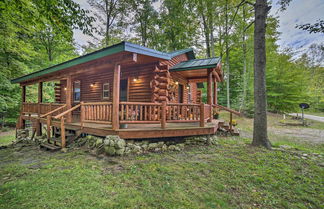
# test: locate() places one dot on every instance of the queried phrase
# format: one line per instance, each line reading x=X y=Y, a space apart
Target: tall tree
x=109 y=14
x=144 y=22
x=260 y=132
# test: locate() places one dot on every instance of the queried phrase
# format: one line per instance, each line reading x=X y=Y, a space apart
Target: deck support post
x=163 y=115
x=115 y=104
x=202 y=115
x=23 y=100
x=63 y=141
x=82 y=115
x=209 y=92
x=69 y=98
x=40 y=100
x=48 y=124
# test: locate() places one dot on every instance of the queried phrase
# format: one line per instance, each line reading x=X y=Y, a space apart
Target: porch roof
x=120 y=47
x=195 y=64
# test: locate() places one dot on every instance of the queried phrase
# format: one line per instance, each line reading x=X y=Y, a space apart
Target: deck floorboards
x=137 y=131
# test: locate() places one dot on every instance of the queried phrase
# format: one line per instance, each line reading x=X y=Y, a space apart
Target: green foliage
x=35 y=35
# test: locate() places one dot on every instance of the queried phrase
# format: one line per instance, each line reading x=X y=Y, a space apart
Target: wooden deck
x=143 y=120
x=137 y=131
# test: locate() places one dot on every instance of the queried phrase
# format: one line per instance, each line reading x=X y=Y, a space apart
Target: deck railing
x=40 y=108
x=139 y=112
x=178 y=112
x=220 y=107
x=97 y=112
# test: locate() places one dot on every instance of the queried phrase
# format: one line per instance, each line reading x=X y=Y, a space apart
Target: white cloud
x=299 y=12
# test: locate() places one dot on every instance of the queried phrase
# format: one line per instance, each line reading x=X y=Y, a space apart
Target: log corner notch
x=160 y=84
x=219 y=73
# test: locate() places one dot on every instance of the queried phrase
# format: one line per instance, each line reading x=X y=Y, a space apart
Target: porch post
x=209 y=92
x=115 y=104
x=23 y=99
x=69 y=98
x=215 y=91
x=40 y=100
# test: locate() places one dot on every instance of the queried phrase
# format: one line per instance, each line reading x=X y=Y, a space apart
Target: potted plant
x=215 y=113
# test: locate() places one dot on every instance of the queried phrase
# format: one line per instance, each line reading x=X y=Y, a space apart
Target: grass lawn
x=7 y=137
x=230 y=175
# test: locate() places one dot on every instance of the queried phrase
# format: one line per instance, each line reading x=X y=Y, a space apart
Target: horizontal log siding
x=138 y=91
x=175 y=60
x=62 y=91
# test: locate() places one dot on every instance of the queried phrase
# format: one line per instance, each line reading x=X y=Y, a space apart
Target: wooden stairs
x=226 y=128
x=54 y=142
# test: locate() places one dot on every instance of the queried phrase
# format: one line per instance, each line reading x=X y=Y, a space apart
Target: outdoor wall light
x=177 y=83
x=65 y=89
x=135 y=79
x=188 y=87
x=92 y=85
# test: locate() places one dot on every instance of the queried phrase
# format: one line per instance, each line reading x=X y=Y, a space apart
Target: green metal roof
x=188 y=51
x=195 y=64
x=120 y=47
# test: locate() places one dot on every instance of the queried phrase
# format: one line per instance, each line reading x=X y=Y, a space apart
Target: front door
x=180 y=93
x=123 y=90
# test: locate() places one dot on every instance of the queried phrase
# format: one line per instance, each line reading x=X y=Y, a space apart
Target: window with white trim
x=105 y=91
x=76 y=91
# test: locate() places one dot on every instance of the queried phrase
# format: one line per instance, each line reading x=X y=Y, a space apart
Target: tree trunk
x=227 y=58
x=107 y=23
x=206 y=31
x=211 y=28
x=260 y=135
x=242 y=106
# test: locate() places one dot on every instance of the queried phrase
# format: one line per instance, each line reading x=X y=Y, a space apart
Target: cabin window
x=105 y=91
x=76 y=91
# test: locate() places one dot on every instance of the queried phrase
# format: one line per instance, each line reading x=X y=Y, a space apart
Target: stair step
x=56 y=139
x=235 y=132
x=50 y=146
x=221 y=122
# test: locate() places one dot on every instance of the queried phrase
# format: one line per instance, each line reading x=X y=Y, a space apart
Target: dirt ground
x=309 y=135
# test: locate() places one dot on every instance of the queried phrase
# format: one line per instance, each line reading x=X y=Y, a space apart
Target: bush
x=5 y=129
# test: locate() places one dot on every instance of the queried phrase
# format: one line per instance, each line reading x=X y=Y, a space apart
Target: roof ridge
x=179 y=50
x=202 y=59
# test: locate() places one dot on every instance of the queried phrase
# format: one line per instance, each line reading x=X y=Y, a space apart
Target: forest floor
x=232 y=174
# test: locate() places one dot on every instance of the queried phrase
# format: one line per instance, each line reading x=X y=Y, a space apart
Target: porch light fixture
x=135 y=79
x=65 y=89
x=188 y=87
x=92 y=85
x=177 y=83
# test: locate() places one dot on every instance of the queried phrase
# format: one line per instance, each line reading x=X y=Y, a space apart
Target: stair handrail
x=67 y=111
x=53 y=111
x=227 y=109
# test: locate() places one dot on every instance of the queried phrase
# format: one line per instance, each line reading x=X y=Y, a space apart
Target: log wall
x=138 y=91
x=92 y=83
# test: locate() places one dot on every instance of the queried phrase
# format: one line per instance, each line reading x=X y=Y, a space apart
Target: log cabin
x=126 y=90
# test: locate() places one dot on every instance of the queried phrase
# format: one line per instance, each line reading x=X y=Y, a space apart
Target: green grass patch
x=230 y=175
x=6 y=138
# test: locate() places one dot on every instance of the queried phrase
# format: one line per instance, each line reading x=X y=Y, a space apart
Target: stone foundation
x=114 y=146
x=23 y=136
